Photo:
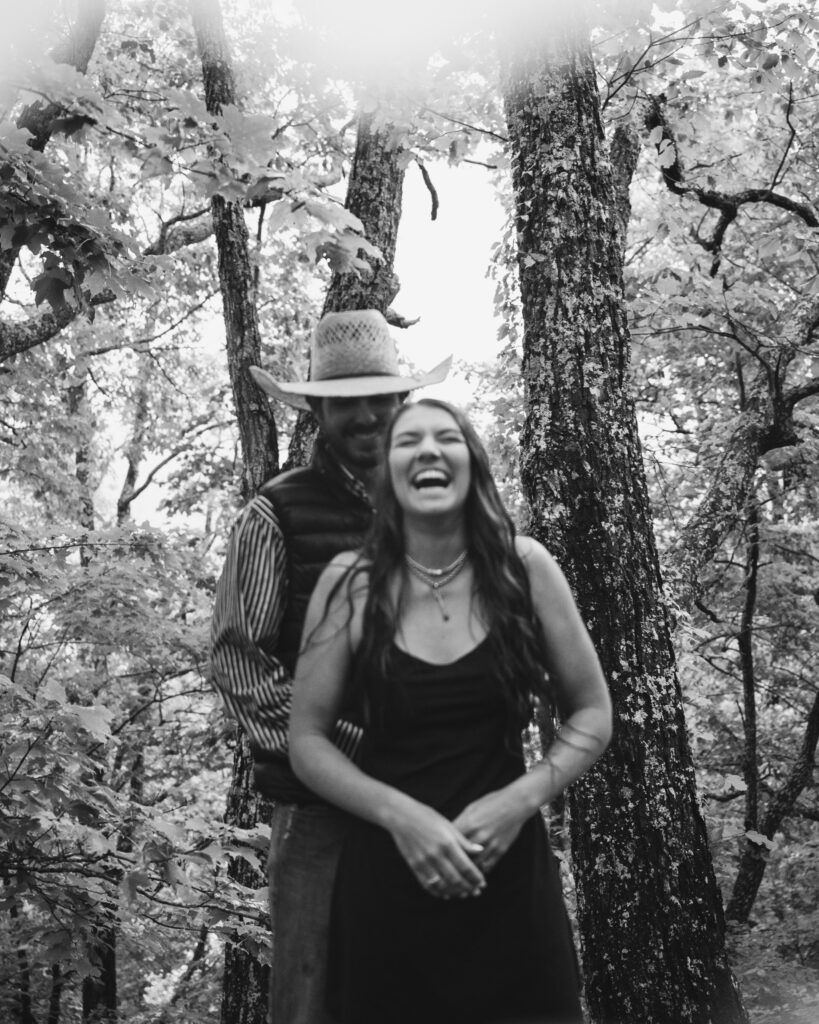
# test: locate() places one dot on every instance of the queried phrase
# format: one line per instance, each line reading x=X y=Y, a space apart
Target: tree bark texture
x=246 y=979
x=374 y=195
x=649 y=909
x=257 y=428
x=76 y=49
x=625 y=152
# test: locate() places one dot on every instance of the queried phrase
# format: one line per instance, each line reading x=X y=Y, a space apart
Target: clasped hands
x=452 y=858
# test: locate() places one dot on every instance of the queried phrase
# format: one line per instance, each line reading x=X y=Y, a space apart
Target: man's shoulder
x=292 y=479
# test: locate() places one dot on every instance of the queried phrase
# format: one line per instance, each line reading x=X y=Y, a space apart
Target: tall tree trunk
x=76 y=49
x=649 y=909
x=257 y=428
x=23 y=1000
x=374 y=195
x=135 y=445
x=55 y=995
x=246 y=979
x=99 y=991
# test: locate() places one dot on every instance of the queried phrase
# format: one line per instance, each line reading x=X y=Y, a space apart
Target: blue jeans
x=304 y=846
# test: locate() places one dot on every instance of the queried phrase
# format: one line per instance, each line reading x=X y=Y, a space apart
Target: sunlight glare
x=373 y=41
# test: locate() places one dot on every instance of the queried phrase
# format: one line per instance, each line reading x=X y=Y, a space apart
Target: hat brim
x=297 y=393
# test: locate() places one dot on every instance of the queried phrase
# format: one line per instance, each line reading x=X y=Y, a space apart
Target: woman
x=447 y=905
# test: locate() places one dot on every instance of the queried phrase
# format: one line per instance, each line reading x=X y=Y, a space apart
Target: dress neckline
x=441 y=664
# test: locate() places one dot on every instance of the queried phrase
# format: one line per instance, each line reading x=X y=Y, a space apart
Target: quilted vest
x=319 y=518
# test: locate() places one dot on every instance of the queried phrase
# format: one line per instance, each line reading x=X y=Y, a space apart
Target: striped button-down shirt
x=250 y=598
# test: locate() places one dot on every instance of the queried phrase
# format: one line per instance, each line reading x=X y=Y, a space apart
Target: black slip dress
x=399 y=955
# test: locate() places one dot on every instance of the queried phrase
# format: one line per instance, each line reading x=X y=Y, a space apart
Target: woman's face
x=429 y=462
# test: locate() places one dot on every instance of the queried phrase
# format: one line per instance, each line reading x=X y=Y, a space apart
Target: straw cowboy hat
x=352 y=354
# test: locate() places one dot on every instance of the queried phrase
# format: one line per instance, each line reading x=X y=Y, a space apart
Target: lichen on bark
x=649 y=909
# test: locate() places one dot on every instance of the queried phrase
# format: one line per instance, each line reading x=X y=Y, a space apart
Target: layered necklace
x=437 y=578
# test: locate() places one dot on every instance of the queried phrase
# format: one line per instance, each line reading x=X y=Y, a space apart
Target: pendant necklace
x=437 y=578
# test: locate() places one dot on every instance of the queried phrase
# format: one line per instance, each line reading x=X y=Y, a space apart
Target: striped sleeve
x=250 y=595
x=247 y=614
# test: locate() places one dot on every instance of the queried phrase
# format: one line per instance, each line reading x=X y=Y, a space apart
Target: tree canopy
x=121 y=451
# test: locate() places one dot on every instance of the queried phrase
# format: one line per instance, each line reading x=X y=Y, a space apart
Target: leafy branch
x=728 y=204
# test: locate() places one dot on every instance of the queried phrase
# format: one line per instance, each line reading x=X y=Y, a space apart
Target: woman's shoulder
x=530 y=549
x=348 y=571
x=538 y=562
x=345 y=560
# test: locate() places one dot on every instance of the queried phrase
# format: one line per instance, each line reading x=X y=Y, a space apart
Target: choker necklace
x=437 y=578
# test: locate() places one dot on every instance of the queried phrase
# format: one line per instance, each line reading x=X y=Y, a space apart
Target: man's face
x=355 y=428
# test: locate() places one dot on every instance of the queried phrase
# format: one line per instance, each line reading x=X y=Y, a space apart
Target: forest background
x=163 y=163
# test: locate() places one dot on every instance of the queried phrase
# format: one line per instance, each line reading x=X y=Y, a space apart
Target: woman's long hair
x=501 y=585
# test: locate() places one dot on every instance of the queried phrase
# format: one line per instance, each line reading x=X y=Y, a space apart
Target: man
x=277 y=550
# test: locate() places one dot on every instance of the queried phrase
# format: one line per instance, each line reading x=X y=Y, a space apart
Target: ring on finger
x=433 y=880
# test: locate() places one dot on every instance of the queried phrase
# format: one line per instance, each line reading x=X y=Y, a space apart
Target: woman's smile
x=429 y=461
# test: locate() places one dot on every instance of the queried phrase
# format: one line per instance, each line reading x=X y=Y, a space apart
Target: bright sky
x=442 y=268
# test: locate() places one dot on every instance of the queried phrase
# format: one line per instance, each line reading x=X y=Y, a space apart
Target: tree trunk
x=76 y=50
x=24 y=1014
x=79 y=411
x=625 y=152
x=245 y=982
x=134 y=449
x=257 y=428
x=55 y=995
x=99 y=992
x=649 y=909
x=374 y=195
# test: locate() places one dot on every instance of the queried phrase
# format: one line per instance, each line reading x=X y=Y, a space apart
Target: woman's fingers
x=451 y=872
x=469 y=879
x=444 y=885
x=438 y=853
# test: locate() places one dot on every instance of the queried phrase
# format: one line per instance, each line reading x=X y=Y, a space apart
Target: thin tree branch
x=465 y=124
x=179 y=450
x=430 y=187
x=750 y=767
x=792 y=136
x=155 y=337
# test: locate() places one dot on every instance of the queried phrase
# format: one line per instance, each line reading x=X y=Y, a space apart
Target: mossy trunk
x=650 y=912
x=374 y=195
